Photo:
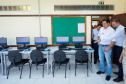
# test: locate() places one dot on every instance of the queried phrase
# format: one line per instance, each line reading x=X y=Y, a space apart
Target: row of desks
x=48 y=54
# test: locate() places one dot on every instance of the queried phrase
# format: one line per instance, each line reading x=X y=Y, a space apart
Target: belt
x=104 y=45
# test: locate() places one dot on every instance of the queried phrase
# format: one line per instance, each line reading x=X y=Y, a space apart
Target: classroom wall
x=88 y=29
x=125 y=6
x=11 y=27
x=47 y=6
x=46 y=30
x=32 y=3
x=119 y=6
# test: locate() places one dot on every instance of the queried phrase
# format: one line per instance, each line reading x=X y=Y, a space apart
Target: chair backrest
x=59 y=55
x=81 y=55
x=14 y=56
x=36 y=56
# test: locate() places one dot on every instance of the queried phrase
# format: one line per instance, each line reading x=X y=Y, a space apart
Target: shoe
x=108 y=78
x=118 y=79
x=116 y=73
x=99 y=72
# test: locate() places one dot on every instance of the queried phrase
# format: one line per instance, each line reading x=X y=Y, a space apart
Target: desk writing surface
x=52 y=48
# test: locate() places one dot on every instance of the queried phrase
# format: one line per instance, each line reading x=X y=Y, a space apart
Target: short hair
x=116 y=20
x=99 y=24
x=107 y=20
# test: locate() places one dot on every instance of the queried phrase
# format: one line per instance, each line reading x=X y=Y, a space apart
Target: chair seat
x=64 y=62
x=40 y=62
x=22 y=62
x=78 y=61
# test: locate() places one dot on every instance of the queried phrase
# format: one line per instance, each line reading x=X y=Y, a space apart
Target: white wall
x=32 y=3
x=47 y=6
x=88 y=29
x=125 y=6
x=46 y=28
x=12 y=27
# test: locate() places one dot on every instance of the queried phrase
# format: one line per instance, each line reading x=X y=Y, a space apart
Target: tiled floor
x=36 y=76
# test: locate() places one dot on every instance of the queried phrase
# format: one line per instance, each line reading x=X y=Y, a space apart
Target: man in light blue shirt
x=119 y=36
x=95 y=38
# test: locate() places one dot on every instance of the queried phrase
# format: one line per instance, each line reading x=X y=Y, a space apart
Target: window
x=15 y=8
x=83 y=7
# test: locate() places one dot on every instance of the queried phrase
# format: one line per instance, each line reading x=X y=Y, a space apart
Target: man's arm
x=98 y=39
x=121 y=56
x=114 y=36
x=111 y=45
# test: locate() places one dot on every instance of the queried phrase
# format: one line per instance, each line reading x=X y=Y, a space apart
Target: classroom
x=62 y=41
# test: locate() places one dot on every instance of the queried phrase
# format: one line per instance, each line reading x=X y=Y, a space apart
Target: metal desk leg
x=51 y=62
x=89 y=59
x=93 y=62
x=5 y=64
x=2 y=65
x=47 y=64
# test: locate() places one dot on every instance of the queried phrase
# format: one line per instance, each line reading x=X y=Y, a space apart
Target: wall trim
x=57 y=15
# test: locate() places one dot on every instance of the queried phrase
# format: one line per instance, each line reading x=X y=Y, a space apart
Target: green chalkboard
x=66 y=26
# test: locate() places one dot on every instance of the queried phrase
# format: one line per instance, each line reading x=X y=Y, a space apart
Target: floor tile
x=61 y=81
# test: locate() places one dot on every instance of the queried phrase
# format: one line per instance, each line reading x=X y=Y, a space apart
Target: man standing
x=105 y=48
x=95 y=38
x=119 y=36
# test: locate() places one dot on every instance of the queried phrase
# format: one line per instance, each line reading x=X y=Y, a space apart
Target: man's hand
x=97 y=41
x=120 y=59
x=106 y=49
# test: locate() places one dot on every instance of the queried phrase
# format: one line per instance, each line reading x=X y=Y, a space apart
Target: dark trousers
x=96 y=51
x=92 y=43
x=118 y=53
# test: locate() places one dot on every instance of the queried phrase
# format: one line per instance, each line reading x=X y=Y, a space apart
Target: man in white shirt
x=95 y=38
x=105 y=48
x=119 y=36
